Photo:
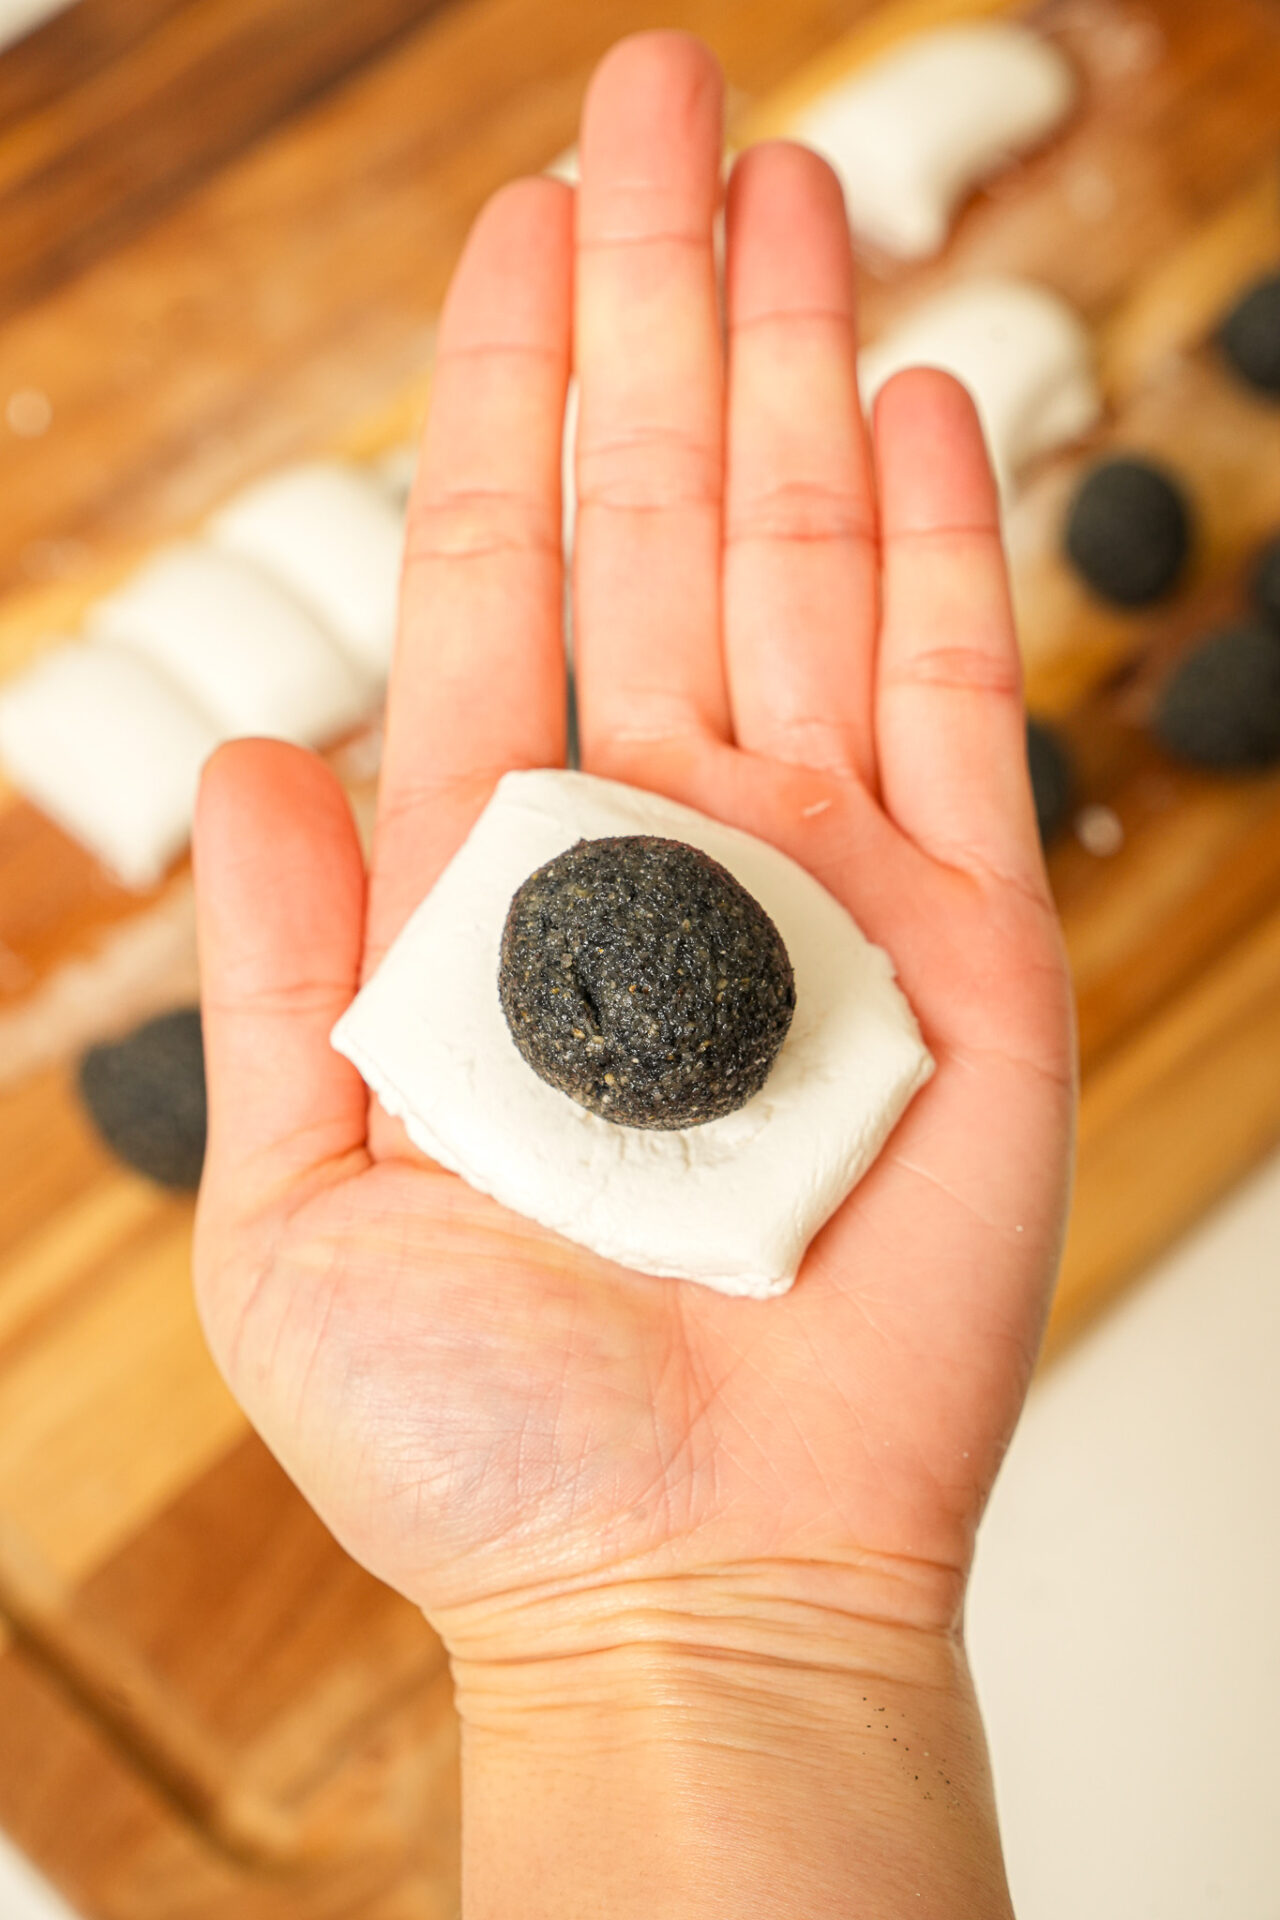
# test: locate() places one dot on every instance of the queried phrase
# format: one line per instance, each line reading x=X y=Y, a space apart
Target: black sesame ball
x=146 y=1097
x=1250 y=335
x=1129 y=531
x=1266 y=583
x=1051 y=778
x=1221 y=708
x=644 y=981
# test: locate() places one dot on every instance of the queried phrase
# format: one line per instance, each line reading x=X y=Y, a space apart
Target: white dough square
x=111 y=751
x=237 y=643
x=732 y=1203
x=334 y=538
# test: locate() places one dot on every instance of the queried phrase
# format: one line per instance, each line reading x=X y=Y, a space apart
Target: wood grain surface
x=225 y=228
x=171 y=95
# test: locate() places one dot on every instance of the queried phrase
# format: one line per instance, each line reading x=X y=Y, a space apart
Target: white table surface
x=1124 y=1618
x=1125 y=1613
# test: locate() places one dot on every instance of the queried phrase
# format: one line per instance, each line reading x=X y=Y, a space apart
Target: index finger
x=478 y=682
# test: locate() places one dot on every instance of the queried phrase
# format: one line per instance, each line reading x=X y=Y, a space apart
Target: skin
x=608 y=1491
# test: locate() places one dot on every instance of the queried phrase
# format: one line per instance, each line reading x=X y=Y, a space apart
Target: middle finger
x=650 y=431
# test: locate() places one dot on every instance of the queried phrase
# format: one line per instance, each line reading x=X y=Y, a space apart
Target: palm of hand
x=478 y=1408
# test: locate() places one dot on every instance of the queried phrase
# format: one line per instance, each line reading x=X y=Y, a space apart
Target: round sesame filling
x=641 y=979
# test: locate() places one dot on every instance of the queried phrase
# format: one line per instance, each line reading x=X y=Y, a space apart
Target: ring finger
x=800 y=575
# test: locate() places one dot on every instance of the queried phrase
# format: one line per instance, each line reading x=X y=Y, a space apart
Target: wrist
x=702 y=1747
x=731 y=1638
x=869 y=1610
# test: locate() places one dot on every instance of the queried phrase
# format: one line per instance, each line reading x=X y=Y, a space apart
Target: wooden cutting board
x=225 y=227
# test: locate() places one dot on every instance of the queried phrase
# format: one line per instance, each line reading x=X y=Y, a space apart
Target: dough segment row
x=278 y=621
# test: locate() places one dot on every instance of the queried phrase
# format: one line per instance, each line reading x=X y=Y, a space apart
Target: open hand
x=786 y=622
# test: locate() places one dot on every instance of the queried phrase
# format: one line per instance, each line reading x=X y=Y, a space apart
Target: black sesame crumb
x=644 y=981
x=1250 y=335
x=146 y=1096
x=1129 y=531
x=1221 y=708
x=1052 y=783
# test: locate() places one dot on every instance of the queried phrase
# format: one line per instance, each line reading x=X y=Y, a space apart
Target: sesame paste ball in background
x=1128 y=532
x=1250 y=336
x=1221 y=706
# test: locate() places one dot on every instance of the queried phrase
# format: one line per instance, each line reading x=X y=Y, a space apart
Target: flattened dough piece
x=913 y=134
x=1024 y=354
x=111 y=751
x=732 y=1204
x=329 y=534
x=235 y=641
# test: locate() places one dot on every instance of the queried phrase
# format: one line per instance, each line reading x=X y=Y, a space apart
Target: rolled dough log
x=329 y=534
x=911 y=135
x=238 y=644
x=395 y=472
x=568 y=469
x=1024 y=354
